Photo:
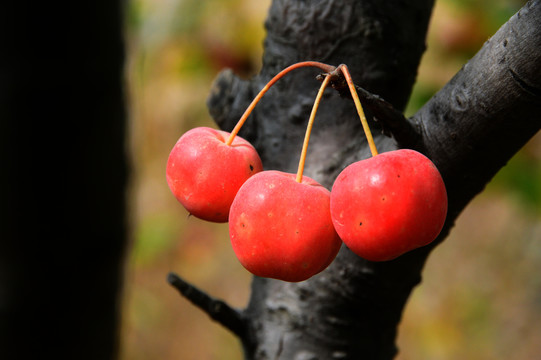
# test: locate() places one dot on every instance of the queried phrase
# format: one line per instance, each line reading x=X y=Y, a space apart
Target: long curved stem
x=324 y=67
x=359 y=107
x=309 y=127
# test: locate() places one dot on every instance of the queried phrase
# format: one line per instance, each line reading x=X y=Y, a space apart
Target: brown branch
x=218 y=310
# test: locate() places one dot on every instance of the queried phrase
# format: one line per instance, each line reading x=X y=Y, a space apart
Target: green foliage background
x=481 y=293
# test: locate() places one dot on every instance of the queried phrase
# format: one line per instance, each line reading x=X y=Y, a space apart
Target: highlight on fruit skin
x=204 y=173
x=389 y=204
x=281 y=228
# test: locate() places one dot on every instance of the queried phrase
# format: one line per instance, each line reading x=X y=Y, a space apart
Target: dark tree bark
x=470 y=129
x=64 y=172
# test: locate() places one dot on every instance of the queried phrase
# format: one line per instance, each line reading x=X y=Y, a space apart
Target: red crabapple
x=281 y=228
x=204 y=173
x=389 y=204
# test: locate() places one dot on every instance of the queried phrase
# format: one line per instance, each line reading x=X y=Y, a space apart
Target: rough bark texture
x=470 y=129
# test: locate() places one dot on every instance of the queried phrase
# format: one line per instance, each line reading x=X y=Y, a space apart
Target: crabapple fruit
x=281 y=228
x=204 y=173
x=389 y=204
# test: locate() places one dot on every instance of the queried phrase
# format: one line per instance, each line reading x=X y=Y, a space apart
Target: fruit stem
x=309 y=127
x=359 y=107
x=324 y=67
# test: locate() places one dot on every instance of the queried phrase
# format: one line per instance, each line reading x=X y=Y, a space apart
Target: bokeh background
x=481 y=291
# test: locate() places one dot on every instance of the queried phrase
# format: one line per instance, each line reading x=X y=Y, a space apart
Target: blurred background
x=481 y=291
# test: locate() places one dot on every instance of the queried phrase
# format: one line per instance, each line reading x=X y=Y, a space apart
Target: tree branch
x=218 y=310
x=469 y=129
x=392 y=121
x=488 y=111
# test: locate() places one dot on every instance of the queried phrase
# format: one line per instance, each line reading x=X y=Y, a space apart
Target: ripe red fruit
x=204 y=173
x=281 y=228
x=389 y=204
